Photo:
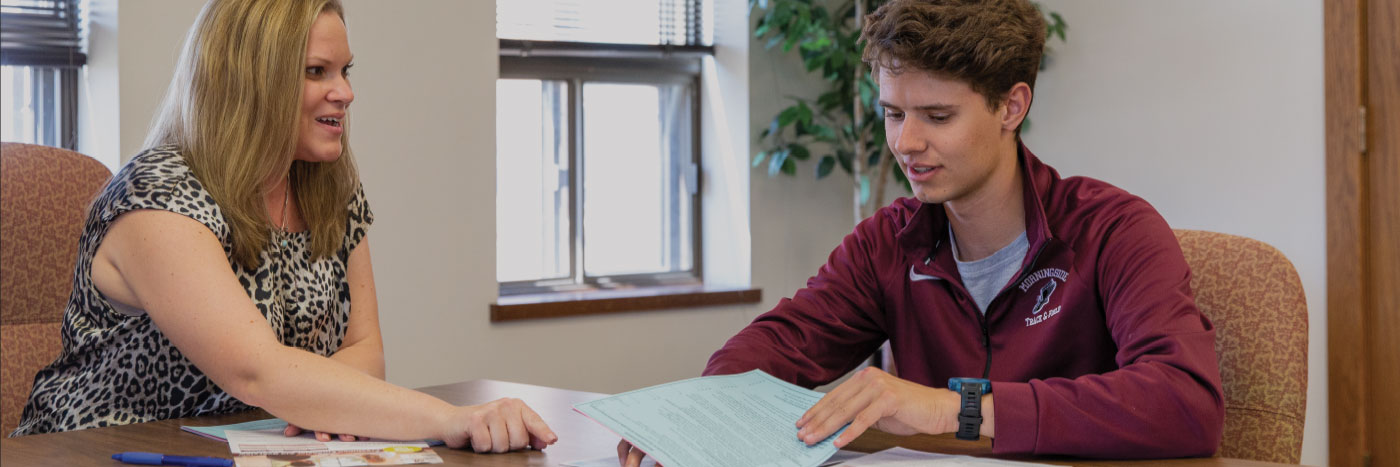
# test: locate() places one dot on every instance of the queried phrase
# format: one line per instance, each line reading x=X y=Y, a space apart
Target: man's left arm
x=1165 y=400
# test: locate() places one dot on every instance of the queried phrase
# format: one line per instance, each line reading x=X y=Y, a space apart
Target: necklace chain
x=286 y=196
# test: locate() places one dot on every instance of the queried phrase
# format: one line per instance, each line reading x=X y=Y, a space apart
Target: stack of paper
x=261 y=444
x=748 y=419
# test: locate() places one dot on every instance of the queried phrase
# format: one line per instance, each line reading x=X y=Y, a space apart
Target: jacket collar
x=924 y=238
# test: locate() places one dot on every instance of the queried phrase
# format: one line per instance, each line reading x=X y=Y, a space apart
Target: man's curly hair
x=989 y=44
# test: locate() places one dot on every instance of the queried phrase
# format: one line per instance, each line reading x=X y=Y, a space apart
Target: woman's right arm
x=174 y=268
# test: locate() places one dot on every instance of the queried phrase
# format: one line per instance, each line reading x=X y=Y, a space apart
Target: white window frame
x=575 y=64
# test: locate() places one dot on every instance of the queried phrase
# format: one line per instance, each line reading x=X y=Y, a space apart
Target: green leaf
x=799 y=152
x=829 y=100
x=775 y=164
x=789 y=167
x=824 y=166
x=843 y=156
x=781 y=13
x=758 y=158
x=800 y=129
x=788 y=115
x=804 y=113
x=774 y=41
x=791 y=41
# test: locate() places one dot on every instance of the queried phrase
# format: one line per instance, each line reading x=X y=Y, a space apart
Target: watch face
x=956 y=384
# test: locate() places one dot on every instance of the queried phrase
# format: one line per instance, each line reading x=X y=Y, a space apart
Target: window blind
x=642 y=22
x=41 y=33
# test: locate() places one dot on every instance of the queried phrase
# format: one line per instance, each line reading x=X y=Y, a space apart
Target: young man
x=1070 y=295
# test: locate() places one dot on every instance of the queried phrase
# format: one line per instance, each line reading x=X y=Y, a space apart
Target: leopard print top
x=118 y=368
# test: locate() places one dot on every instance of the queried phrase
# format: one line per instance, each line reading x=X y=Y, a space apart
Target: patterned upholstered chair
x=1252 y=294
x=44 y=197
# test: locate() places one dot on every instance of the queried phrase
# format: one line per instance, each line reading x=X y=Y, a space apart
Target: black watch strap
x=970 y=417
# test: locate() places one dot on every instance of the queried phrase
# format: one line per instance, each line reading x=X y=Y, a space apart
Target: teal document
x=216 y=433
x=746 y=419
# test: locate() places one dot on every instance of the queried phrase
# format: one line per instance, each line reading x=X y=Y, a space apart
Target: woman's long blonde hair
x=232 y=110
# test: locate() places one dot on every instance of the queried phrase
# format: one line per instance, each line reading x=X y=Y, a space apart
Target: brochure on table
x=262 y=443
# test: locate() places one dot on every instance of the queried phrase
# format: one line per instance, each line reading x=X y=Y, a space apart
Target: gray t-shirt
x=985 y=277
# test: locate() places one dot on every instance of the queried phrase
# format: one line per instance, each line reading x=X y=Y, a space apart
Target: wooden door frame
x=1344 y=80
x=1351 y=292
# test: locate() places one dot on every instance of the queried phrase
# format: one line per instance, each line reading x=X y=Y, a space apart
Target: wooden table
x=579 y=437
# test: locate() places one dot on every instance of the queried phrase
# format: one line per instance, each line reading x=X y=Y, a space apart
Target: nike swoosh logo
x=915 y=277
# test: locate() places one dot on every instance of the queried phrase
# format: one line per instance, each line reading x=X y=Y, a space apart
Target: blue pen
x=151 y=458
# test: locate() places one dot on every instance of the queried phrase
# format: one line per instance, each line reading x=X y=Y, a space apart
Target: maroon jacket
x=1095 y=349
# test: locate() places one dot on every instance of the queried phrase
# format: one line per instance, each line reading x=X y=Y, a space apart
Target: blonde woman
x=228 y=266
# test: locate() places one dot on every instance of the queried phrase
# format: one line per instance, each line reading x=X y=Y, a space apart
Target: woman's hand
x=629 y=456
x=501 y=425
x=293 y=430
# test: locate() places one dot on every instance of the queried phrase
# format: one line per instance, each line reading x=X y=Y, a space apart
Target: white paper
x=272 y=441
x=605 y=462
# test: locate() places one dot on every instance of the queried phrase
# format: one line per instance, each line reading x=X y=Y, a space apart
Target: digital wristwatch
x=970 y=416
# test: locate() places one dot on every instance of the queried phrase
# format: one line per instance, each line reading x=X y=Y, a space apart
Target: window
x=597 y=176
x=40 y=56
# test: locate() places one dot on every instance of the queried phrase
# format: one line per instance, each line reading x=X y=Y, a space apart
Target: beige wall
x=1212 y=111
x=99 y=93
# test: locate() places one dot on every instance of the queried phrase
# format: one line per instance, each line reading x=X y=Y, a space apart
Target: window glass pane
x=678 y=146
x=532 y=192
x=30 y=111
x=636 y=158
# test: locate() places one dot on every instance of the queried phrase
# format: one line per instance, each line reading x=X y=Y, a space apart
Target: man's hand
x=876 y=398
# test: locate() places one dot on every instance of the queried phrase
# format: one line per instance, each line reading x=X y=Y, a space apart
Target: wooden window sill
x=596 y=302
